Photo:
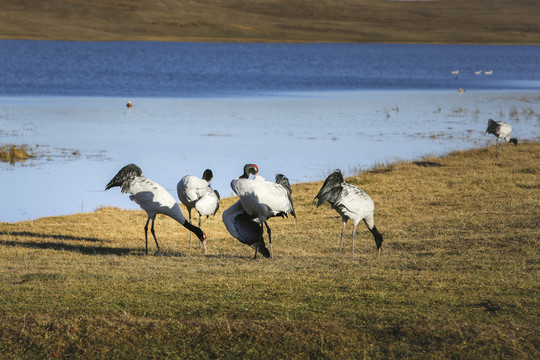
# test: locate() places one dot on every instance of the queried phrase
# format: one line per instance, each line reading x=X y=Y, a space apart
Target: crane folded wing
x=244 y=228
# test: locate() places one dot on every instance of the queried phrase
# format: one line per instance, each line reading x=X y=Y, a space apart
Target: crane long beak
x=203 y=244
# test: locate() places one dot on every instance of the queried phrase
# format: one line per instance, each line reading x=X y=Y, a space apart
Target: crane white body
x=261 y=198
x=154 y=199
x=352 y=203
x=501 y=130
x=195 y=192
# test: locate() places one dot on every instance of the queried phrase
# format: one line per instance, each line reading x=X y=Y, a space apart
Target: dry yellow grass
x=458 y=277
x=14 y=153
x=448 y=21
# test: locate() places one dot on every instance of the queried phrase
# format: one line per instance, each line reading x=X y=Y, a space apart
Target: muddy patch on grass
x=19 y=154
x=14 y=153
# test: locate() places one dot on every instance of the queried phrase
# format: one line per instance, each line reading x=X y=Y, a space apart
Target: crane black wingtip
x=126 y=173
x=331 y=188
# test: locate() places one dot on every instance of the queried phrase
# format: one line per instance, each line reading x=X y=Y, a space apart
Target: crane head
x=203 y=239
x=208 y=175
x=249 y=169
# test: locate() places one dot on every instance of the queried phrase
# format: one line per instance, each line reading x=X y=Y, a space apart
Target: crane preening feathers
x=152 y=198
x=245 y=228
x=501 y=130
x=259 y=201
x=196 y=193
x=350 y=202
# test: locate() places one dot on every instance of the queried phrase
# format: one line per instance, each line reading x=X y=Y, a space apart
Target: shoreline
x=268 y=41
x=432 y=157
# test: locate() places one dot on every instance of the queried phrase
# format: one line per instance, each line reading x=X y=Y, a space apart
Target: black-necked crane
x=196 y=193
x=261 y=200
x=152 y=198
x=350 y=202
x=245 y=228
x=501 y=130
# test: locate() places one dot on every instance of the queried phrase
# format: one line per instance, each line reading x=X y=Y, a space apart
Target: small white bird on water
x=196 y=193
x=152 y=198
x=350 y=202
x=501 y=130
x=260 y=199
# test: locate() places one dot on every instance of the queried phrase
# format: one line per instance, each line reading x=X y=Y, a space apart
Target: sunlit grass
x=14 y=153
x=458 y=277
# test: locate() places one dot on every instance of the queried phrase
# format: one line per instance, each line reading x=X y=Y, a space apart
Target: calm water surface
x=299 y=109
x=152 y=69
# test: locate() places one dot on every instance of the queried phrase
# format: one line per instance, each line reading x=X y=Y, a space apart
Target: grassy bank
x=442 y=21
x=458 y=277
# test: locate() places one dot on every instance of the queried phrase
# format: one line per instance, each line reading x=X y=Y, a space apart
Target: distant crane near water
x=196 y=193
x=259 y=200
x=350 y=202
x=152 y=198
x=501 y=130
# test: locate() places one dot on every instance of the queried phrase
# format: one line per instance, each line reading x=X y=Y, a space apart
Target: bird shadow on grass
x=85 y=250
x=82 y=249
x=427 y=164
x=59 y=245
x=228 y=256
x=51 y=236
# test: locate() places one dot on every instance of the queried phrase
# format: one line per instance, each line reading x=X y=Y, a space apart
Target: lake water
x=299 y=109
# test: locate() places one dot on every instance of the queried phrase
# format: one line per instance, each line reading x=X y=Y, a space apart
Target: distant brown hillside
x=443 y=21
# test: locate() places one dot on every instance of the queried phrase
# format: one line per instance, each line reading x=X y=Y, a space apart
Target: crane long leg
x=353 y=232
x=146 y=234
x=201 y=244
x=257 y=249
x=269 y=238
x=342 y=234
x=189 y=212
x=154 y=234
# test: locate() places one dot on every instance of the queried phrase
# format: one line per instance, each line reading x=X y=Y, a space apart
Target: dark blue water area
x=166 y=69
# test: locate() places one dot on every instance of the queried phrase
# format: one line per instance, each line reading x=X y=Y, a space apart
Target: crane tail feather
x=123 y=176
x=331 y=189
